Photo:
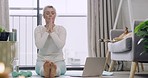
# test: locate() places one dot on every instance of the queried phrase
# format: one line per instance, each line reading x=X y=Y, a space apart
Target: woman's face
x=49 y=15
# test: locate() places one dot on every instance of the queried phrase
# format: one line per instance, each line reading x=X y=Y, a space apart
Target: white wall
x=124 y=16
x=139 y=9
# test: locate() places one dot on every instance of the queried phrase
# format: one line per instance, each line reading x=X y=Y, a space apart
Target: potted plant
x=3 y=34
x=142 y=31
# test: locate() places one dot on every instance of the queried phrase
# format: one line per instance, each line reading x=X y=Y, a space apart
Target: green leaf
x=140 y=26
x=2 y=29
x=141 y=30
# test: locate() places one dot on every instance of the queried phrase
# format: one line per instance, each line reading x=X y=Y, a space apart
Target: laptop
x=94 y=67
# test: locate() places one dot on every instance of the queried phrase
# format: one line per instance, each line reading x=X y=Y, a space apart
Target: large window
x=72 y=14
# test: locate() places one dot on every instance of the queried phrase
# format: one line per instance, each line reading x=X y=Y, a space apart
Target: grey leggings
x=61 y=68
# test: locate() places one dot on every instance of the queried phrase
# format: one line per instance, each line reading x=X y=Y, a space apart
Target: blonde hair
x=49 y=6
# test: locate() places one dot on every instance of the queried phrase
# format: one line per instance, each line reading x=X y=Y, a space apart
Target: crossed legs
x=49 y=69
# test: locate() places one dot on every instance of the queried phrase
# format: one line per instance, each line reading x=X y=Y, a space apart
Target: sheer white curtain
x=4 y=14
x=100 y=20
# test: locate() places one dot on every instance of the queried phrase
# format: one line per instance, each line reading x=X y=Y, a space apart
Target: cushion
x=123 y=45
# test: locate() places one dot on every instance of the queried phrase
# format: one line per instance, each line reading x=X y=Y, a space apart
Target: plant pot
x=4 y=36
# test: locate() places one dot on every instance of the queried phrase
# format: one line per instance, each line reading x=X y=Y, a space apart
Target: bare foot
x=53 y=70
x=47 y=69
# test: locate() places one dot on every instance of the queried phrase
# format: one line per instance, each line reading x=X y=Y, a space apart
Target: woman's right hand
x=50 y=25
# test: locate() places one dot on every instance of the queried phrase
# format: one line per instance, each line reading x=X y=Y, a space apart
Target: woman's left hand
x=50 y=25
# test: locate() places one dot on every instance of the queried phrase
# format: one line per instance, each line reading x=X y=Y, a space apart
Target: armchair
x=127 y=50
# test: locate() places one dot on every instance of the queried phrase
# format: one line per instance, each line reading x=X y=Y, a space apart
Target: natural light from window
x=72 y=14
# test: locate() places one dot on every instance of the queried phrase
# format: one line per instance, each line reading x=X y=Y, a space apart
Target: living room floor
x=120 y=74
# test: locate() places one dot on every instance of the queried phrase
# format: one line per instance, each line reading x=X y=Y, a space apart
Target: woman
x=50 y=40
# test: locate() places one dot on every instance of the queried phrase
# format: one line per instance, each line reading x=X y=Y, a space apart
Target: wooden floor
x=121 y=74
